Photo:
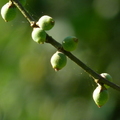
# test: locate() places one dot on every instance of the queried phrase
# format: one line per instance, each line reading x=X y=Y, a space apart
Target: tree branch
x=30 y=19
x=58 y=46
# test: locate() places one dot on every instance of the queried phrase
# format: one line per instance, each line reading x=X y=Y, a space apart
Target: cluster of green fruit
x=44 y=23
x=58 y=60
x=100 y=94
x=8 y=11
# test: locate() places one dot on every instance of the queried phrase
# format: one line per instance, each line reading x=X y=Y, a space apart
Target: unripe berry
x=107 y=77
x=70 y=43
x=100 y=96
x=46 y=22
x=58 y=60
x=39 y=35
x=8 y=12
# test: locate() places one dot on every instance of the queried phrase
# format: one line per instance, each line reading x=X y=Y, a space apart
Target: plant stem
x=92 y=73
x=24 y=12
x=58 y=46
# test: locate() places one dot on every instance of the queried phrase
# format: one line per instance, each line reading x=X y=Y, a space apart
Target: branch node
x=98 y=79
x=33 y=24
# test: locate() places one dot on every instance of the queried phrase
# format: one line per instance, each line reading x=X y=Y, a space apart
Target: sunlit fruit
x=107 y=77
x=70 y=43
x=39 y=35
x=8 y=12
x=100 y=96
x=58 y=60
x=46 y=22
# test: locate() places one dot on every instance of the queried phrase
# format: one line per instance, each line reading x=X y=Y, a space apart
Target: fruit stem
x=92 y=73
x=58 y=46
x=25 y=13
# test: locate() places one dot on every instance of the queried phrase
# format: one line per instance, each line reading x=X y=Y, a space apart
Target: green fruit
x=107 y=77
x=23 y=2
x=46 y=22
x=8 y=12
x=58 y=60
x=70 y=43
x=100 y=96
x=39 y=35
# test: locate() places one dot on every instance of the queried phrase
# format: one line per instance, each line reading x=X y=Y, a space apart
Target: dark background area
x=31 y=90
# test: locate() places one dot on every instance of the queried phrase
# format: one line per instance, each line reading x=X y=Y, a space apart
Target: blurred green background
x=31 y=90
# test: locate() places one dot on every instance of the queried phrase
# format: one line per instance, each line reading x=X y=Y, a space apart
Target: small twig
x=93 y=74
x=58 y=46
x=30 y=19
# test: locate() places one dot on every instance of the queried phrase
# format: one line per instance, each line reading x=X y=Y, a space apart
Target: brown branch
x=30 y=19
x=58 y=46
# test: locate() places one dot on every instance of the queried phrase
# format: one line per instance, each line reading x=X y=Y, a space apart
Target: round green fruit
x=100 y=96
x=58 y=60
x=70 y=43
x=46 y=22
x=107 y=77
x=39 y=35
x=8 y=12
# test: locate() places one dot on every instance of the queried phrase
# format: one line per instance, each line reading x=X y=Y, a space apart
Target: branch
x=30 y=19
x=58 y=46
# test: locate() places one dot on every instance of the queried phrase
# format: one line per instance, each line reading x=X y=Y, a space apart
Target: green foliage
x=23 y=2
